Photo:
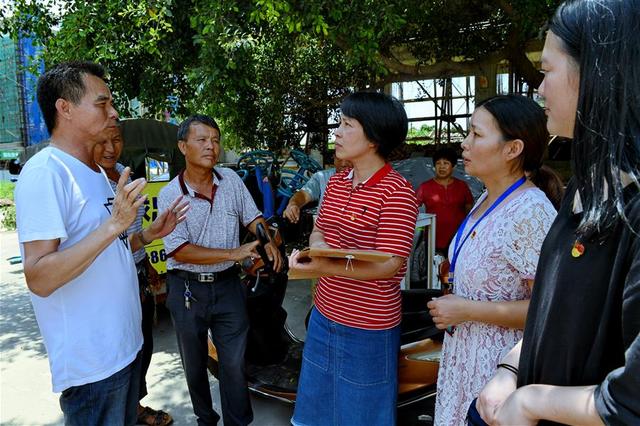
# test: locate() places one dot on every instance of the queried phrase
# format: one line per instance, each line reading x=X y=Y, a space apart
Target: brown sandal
x=152 y=417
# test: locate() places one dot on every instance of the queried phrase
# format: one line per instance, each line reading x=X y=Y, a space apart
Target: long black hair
x=603 y=39
x=522 y=118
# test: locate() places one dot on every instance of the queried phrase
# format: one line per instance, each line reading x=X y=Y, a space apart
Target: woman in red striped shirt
x=349 y=369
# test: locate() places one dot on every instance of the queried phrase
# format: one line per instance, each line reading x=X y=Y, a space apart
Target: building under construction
x=21 y=122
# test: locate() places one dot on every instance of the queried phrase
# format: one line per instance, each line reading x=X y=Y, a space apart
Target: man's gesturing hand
x=127 y=201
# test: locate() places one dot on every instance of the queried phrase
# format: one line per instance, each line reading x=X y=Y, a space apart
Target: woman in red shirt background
x=445 y=196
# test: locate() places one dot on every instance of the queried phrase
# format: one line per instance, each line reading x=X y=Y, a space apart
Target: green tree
x=273 y=70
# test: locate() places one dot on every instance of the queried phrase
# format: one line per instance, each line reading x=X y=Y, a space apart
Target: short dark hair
x=445 y=154
x=382 y=117
x=185 y=126
x=64 y=81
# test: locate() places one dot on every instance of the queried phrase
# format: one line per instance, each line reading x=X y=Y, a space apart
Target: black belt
x=206 y=277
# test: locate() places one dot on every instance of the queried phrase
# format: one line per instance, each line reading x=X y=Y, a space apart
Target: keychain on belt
x=188 y=297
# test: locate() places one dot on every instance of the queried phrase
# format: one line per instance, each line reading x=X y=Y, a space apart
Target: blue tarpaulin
x=36 y=130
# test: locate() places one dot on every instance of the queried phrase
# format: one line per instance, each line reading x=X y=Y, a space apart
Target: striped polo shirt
x=213 y=220
x=378 y=214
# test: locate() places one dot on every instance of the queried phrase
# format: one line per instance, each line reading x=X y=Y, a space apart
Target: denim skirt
x=349 y=375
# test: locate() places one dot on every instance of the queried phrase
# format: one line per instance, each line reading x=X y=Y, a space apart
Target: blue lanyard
x=458 y=244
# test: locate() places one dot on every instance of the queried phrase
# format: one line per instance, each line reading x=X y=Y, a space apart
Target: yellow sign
x=155 y=250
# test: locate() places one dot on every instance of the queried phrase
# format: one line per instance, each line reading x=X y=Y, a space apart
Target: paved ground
x=25 y=382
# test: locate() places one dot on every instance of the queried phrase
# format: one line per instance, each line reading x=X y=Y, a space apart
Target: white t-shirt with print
x=91 y=326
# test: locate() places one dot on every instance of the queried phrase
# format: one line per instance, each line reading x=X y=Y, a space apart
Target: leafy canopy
x=272 y=70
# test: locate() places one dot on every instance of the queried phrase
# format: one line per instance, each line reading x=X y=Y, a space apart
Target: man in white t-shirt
x=76 y=252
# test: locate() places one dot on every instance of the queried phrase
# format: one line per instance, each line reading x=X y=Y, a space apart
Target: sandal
x=152 y=417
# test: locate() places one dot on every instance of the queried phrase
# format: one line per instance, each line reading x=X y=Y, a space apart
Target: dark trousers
x=148 y=310
x=221 y=308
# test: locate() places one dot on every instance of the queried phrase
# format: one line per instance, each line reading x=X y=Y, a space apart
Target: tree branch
x=402 y=72
x=515 y=49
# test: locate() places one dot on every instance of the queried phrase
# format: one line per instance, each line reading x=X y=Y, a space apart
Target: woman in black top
x=579 y=360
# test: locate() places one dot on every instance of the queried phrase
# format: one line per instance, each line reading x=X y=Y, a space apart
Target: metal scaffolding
x=446 y=104
x=11 y=108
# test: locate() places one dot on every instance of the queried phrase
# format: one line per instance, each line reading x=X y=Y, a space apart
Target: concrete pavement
x=25 y=382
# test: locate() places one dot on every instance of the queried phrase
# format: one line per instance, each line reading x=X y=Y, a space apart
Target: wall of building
x=21 y=122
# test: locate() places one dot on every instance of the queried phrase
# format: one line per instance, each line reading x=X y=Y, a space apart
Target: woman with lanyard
x=579 y=360
x=495 y=251
x=350 y=360
x=107 y=155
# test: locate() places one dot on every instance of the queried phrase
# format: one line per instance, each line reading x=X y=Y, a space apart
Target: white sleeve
x=180 y=235
x=313 y=187
x=42 y=203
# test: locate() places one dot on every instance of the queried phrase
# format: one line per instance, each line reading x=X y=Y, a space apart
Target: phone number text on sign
x=155 y=250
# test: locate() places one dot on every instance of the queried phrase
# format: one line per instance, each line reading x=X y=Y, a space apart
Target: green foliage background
x=6 y=189
x=8 y=212
x=272 y=70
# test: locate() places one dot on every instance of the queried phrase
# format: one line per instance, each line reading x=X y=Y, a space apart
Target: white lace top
x=493 y=265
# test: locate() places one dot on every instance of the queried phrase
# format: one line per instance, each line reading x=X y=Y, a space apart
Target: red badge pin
x=578 y=249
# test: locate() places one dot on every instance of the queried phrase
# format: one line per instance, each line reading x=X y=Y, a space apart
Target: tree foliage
x=272 y=70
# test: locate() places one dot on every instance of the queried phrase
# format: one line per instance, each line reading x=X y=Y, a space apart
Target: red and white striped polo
x=378 y=214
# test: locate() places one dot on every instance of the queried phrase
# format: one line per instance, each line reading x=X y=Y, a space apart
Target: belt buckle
x=206 y=277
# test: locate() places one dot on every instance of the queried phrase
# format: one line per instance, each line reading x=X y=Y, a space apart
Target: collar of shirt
x=187 y=190
x=374 y=178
